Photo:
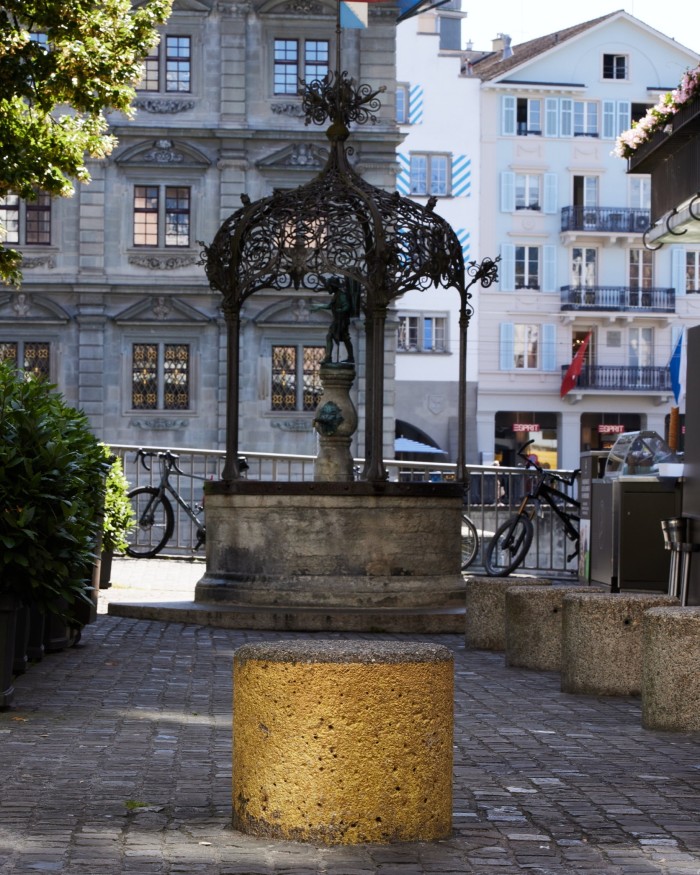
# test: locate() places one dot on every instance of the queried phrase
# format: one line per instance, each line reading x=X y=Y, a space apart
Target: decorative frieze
x=291 y=109
x=161 y=424
x=162 y=106
x=157 y=262
x=297 y=425
x=38 y=261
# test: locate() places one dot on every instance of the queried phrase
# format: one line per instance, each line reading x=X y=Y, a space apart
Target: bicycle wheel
x=508 y=547
x=154 y=522
x=470 y=542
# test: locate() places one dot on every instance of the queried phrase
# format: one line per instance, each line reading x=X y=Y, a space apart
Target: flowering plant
x=659 y=115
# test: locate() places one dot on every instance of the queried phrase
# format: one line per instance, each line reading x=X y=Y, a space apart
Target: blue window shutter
x=464 y=238
x=507 y=192
x=551 y=117
x=678 y=279
x=461 y=176
x=508 y=115
x=566 y=126
x=549 y=347
x=624 y=116
x=609 y=120
x=506 y=347
x=415 y=105
x=506 y=273
x=549 y=268
x=403 y=180
x=550 y=193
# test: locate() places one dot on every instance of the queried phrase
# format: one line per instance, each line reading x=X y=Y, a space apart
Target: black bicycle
x=511 y=541
x=153 y=511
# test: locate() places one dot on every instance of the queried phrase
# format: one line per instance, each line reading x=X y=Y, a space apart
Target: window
x=640 y=192
x=641 y=277
x=641 y=347
x=692 y=272
x=402 y=104
x=160 y=376
x=527 y=267
x=584 y=266
x=26 y=222
x=161 y=215
x=528 y=116
x=296 y=384
x=170 y=62
x=585 y=118
x=31 y=357
x=430 y=174
x=299 y=59
x=528 y=346
x=422 y=333
x=615 y=66
x=528 y=187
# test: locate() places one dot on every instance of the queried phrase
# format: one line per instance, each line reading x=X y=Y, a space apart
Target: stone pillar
x=335 y=422
x=343 y=742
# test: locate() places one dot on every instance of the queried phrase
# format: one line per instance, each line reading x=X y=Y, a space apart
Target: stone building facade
x=115 y=308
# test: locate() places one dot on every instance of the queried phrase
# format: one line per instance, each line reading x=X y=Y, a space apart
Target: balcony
x=618 y=298
x=622 y=378
x=606 y=220
x=672 y=157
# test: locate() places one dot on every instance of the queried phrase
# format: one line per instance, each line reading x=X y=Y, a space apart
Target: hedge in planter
x=52 y=472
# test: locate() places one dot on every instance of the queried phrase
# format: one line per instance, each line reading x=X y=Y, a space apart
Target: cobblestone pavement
x=116 y=760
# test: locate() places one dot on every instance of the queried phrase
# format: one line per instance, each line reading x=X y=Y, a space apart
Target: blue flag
x=674 y=367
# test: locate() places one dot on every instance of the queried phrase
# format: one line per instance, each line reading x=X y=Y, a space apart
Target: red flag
x=572 y=374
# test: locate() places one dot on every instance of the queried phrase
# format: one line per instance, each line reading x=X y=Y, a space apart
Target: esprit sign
x=611 y=429
x=526 y=426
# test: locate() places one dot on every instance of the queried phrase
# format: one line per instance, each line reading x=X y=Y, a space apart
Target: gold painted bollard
x=343 y=742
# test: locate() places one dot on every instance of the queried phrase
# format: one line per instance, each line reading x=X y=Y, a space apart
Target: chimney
x=497 y=43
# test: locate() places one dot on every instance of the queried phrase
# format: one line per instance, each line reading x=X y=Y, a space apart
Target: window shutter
x=566 y=126
x=549 y=268
x=507 y=348
x=549 y=347
x=506 y=274
x=507 y=191
x=464 y=238
x=415 y=105
x=609 y=120
x=403 y=180
x=461 y=176
x=507 y=115
x=678 y=280
x=550 y=193
x=624 y=116
x=551 y=117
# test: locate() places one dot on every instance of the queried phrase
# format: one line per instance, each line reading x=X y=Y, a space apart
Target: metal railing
x=622 y=298
x=492 y=496
x=611 y=220
x=623 y=378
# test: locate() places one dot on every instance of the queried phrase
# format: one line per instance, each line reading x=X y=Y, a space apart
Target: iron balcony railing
x=652 y=300
x=609 y=220
x=623 y=378
x=492 y=496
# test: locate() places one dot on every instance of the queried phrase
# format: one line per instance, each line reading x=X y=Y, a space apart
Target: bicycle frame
x=544 y=491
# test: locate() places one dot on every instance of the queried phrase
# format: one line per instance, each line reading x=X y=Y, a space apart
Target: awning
x=406 y=445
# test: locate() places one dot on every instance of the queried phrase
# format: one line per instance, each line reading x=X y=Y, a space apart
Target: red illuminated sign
x=611 y=429
x=526 y=426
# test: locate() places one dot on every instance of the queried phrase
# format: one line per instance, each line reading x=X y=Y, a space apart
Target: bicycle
x=511 y=541
x=470 y=542
x=153 y=512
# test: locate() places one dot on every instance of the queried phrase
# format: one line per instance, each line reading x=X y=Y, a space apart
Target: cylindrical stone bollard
x=671 y=669
x=486 y=609
x=343 y=742
x=533 y=626
x=602 y=641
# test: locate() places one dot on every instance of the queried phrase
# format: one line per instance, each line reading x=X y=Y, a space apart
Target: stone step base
x=427 y=621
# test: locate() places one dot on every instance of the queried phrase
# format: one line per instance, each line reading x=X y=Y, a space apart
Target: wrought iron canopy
x=336 y=225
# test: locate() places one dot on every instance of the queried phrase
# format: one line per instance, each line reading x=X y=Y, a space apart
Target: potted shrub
x=52 y=471
x=118 y=517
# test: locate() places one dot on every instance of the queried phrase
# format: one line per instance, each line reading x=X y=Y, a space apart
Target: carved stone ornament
x=159 y=424
x=161 y=308
x=38 y=261
x=293 y=109
x=162 y=106
x=163 y=153
x=22 y=305
x=156 y=262
x=304 y=7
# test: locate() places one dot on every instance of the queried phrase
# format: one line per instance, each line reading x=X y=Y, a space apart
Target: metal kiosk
x=639 y=489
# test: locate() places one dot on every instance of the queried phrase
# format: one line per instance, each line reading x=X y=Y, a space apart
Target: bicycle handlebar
x=529 y=463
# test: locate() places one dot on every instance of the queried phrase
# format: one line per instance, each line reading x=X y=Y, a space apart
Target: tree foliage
x=63 y=64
